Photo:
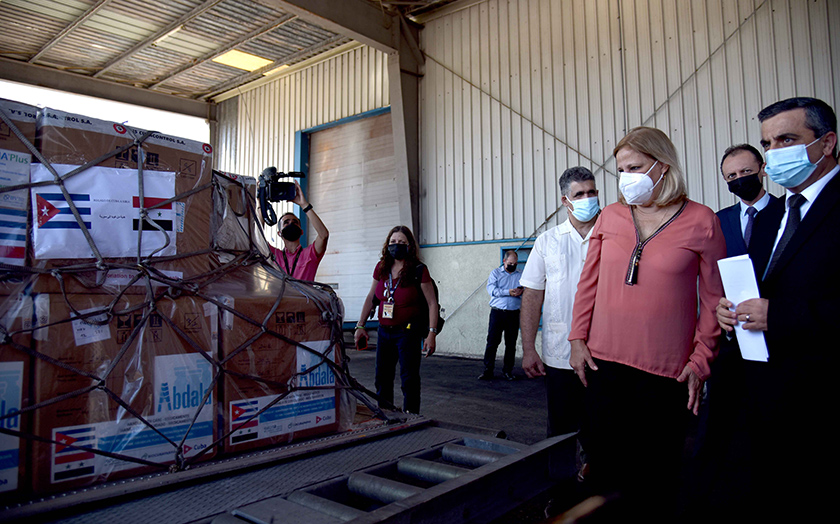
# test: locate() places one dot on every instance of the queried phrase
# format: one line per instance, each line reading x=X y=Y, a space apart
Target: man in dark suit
x=742 y=168
x=721 y=444
x=795 y=253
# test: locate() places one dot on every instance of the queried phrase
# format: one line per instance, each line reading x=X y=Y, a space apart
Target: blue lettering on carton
x=11 y=380
x=280 y=412
x=187 y=389
x=7 y=421
x=146 y=437
x=320 y=376
x=186 y=396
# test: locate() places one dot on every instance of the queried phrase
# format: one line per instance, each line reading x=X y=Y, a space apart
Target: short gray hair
x=574 y=174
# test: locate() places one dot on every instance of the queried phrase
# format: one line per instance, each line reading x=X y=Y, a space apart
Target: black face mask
x=510 y=268
x=292 y=232
x=398 y=251
x=746 y=188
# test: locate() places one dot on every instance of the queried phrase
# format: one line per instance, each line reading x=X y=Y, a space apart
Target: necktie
x=751 y=212
x=794 y=201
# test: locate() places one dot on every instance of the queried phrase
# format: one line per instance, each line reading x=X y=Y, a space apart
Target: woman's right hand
x=358 y=336
x=581 y=357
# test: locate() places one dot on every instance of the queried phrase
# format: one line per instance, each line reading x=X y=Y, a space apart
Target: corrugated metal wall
x=515 y=91
x=257 y=128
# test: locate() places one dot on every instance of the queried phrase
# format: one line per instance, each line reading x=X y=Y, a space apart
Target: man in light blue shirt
x=505 y=300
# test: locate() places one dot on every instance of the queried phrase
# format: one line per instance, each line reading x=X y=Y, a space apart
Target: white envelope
x=739 y=284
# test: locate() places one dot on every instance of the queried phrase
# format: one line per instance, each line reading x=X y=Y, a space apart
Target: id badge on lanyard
x=388 y=306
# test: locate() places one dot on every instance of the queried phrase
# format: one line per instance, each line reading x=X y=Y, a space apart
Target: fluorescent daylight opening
x=241 y=60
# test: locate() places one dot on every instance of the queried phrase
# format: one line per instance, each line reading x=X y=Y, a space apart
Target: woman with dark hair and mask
x=300 y=262
x=643 y=325
x=402 y=285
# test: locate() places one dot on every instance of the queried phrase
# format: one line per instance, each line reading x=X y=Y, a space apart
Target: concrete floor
x=451 y=392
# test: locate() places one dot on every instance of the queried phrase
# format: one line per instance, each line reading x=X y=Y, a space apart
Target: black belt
x=393 y=329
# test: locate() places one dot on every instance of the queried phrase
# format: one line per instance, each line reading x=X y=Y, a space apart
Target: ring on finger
x=748 y=317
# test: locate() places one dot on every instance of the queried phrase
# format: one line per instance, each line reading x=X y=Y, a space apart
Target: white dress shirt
x=554 y=266
x=810 y=193
x=761 y=204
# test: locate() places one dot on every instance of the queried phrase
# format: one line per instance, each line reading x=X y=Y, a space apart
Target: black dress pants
x=505 y=322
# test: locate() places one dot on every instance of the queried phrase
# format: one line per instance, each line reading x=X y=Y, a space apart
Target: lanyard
x=291 y=272
x=391 y=288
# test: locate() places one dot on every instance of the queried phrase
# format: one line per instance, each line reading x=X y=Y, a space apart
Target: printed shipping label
x=108 y=203
x=124 y=277
x=14 y=170
x=90 y=329
x=298 y=411
x=11 y=389
x=180 y=383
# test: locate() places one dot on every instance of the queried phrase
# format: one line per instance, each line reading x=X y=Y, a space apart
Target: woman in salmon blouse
x=638 y=343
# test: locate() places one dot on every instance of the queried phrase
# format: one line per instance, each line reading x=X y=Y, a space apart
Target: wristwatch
x=433 y=330
x=307 y=208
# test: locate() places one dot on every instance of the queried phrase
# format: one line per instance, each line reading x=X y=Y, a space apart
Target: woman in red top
x=638 y=342
x=403 y=287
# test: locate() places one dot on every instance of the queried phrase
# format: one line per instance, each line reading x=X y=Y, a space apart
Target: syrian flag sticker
x=160 y=217
x=240 y=412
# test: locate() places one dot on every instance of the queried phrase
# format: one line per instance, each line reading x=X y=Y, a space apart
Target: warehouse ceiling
x=190 y=49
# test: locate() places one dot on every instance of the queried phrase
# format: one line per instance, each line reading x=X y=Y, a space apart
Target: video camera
x=272 y=190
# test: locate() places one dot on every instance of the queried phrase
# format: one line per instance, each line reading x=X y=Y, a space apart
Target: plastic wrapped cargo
x=143 y=362
x=105 y=209
x=16 y=319
x=122 y=376
x=17 y=132
x=280 y=351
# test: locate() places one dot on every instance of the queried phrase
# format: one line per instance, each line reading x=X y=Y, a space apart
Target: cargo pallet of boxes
x=143 y=328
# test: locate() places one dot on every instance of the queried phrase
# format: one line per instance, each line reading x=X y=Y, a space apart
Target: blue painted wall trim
x=347 y=120
x=301 y=161
x=474 y=242
x=370 y=325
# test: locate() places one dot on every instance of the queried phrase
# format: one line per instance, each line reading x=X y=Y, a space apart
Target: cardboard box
x=249 y=352
x=159 y=372
x=107 y=195
x=15 y=161
x=16 y=317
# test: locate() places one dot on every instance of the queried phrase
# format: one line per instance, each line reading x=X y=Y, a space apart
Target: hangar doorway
x=352 y=185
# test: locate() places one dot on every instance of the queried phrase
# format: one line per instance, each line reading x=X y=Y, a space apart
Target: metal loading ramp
x=418 y=471
x=469 y=479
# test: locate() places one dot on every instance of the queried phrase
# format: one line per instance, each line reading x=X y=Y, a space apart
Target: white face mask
x=585 y=209
x=790 y=166
x=637 y=188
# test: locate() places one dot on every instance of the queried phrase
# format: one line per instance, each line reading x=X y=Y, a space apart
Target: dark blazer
x=792 y=397
x=804 y=287
x=730 y=223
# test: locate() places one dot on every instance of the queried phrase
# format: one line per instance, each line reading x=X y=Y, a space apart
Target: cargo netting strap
x=159 y=286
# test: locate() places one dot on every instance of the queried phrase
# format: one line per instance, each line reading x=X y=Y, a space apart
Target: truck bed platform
x=416 y=470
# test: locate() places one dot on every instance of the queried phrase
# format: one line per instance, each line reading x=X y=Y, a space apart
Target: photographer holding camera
x=300 y=262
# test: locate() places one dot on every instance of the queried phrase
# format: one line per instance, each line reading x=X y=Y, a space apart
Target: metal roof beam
x=192 y=15
x=66 y=31
x=218 y=52
x=36 y=75
x=356 y=19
